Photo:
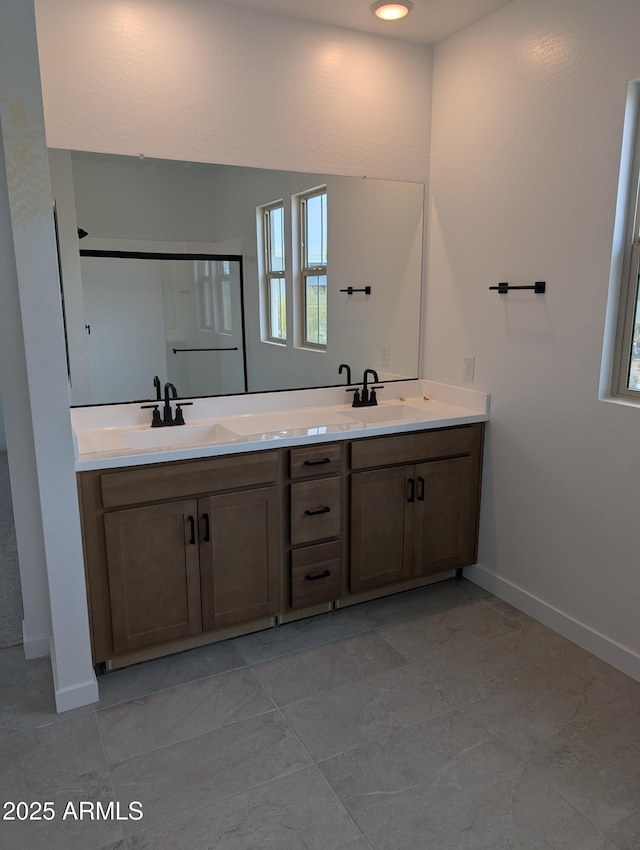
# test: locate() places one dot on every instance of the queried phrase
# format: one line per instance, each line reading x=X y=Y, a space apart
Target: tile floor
x=438 y=718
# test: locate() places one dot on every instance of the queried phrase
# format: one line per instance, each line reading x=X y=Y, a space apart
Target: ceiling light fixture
x=391 y=11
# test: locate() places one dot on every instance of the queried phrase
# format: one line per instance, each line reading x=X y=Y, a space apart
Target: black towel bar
x=539 y=287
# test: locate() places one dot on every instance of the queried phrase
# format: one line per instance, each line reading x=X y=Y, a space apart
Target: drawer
x=314 y=461
x=415 y=447
x=315 y=510
x=316 y=574
x=161 y=481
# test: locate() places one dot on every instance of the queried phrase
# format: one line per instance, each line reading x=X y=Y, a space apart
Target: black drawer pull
x=412 y=490
x=192 y=523
x=317 y=462
x=325 y=574
x=207 y=528
x=421 y=494
x=324 y=510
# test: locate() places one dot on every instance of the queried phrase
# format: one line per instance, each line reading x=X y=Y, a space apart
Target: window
x=626 y=381
x=313 y=268
x=274 y=260
x=222 y=311
x=213 y=295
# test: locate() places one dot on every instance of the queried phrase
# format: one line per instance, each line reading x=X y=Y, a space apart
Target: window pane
x=633 y=379
x=275 y=228
x=316 y=309
x=226 y=306
x=277 y=308
x=204 y=294
x=316 y=235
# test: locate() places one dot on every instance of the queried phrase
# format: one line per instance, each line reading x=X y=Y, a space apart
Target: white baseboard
x=35 y=646
x=81 y=694
x=73 y=696
x=619 y=656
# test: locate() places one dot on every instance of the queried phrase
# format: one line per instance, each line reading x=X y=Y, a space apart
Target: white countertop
x=110 y=436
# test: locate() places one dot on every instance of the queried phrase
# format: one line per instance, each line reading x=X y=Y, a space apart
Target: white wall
x=202 y=81
x=527 y=122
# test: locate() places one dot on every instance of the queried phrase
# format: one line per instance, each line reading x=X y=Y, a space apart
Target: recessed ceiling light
x=391 y=11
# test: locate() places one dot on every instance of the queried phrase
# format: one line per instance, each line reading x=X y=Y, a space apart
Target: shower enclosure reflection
x=179 y=316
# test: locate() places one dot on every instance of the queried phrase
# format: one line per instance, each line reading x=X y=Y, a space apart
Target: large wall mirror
x=185 y=271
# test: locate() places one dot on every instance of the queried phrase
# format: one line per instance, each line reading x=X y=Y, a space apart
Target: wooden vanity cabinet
x=183 y=553
x=416 y=514
x=161 y=568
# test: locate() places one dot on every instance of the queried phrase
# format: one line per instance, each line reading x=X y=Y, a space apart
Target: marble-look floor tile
x=510 y=810
x=62 y=763
x=69 y=834
x=150 y=676
x=297 y=812
x=188 y=775
x=26 y=695
x=414 y=603
x=620 y=681
x=491 y=666
x=133 y=728
x=442 y=630
x=626 y=833
x=352 y=714
x=599 y=842
x=314 y=671
x=50 y=758
x=507 y=610
x=538 y=710
x=301 y=634
x=386 y=778
x=598 y=772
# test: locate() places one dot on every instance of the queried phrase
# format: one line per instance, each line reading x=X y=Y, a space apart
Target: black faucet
x=167 y=414
x=348 y=368
x=168 y=417
x=368 y=397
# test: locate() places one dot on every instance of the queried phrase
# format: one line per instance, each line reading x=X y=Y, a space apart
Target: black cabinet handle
x=421 y=493
x=325 y=574
x=192 y=523
x=207 y=528
x=412 y=490
x=317 y=462
x=324 y=510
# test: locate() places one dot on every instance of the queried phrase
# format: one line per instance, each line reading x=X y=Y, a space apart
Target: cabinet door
x=381 y=527
x=154 y=574
x=444 y=516
x=240 y=556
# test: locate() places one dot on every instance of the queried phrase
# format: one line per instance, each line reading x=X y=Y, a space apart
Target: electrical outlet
x=384 y=355
x=468 y=368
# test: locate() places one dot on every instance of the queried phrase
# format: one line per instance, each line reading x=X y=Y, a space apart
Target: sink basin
x=285 y=422
x=386 y=413
x=180 y=436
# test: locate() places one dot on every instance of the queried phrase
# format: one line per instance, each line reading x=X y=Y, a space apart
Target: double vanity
x=266 y=508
